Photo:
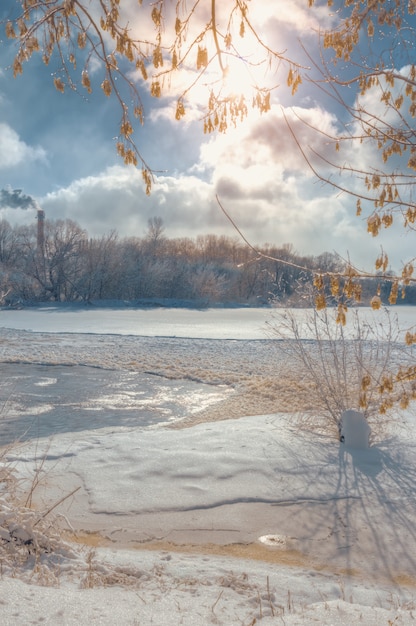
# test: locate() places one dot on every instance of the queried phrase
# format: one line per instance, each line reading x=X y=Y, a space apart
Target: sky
x=59 y=150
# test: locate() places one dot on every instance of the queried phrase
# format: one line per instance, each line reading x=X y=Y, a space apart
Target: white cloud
x=260 y=177
x=295 y=14
x=115 y=199
x=14 y=151
x=268 y=141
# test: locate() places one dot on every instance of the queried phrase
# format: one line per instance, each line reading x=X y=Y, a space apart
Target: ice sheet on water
x=239 y=323
x=42 y=400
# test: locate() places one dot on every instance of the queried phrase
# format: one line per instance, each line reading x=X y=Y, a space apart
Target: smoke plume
x=16 y=199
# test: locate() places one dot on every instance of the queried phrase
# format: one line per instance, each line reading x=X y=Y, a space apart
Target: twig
x=56 y=504
x=260 y=605
x=269 y=596
x=261 y=254
x=216 y=601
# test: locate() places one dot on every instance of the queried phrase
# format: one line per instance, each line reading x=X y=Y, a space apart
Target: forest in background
x=58 y=261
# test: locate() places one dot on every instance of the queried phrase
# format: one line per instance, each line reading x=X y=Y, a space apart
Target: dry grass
x=27 y=536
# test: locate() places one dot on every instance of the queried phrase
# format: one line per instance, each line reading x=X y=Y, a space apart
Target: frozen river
x=148 y=322
x=71 y=368
x=216 y=323
x=47 y=400
x=68 y=368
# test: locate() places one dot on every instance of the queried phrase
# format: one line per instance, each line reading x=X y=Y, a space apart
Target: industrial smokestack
x=41 y=230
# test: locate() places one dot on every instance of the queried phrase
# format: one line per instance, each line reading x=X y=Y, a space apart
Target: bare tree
x=56 y=267
x=102 y=270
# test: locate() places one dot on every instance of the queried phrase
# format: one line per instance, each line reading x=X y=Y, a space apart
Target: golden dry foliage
x=343 y=287
x=372 y=46
x=370 y=53
x=382 y=385
x=138 y=48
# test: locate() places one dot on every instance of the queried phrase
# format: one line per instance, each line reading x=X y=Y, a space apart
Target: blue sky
x=60 y=150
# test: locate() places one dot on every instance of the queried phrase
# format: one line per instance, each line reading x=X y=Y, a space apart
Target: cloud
x=14 y=151
x=269 y=141
x=115 y=199
x=260 y=177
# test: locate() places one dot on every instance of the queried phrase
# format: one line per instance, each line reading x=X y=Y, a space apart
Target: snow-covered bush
x=341 y=367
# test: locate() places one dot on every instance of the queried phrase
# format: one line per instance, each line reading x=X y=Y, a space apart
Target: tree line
x=66 y=265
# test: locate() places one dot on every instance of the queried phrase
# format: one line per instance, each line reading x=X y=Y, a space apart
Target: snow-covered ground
x=179 y=514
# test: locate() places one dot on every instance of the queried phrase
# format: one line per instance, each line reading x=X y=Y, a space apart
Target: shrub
x=343 y=366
